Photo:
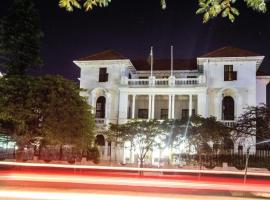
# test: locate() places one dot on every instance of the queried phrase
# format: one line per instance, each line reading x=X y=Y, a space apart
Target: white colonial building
x=220 y=83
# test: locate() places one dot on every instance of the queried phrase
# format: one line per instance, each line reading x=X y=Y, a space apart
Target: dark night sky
x=131 y=28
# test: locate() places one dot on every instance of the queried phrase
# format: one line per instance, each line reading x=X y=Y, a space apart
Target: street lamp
x=247 y=157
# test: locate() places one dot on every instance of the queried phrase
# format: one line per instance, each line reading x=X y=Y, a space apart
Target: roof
x=165 y=64
x=229 y=51
x=104 y=55
x=262 y=73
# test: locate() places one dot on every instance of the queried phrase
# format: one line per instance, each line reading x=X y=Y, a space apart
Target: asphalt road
x=65 y=182
x=26 y=193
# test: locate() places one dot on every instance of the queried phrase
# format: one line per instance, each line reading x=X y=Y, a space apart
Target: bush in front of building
x=93 y=155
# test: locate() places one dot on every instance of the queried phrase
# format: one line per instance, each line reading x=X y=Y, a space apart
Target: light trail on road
x=33 y=194
x=135 y=182
x=66 y=166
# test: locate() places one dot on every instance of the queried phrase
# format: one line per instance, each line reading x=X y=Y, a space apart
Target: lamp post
x=247 y=157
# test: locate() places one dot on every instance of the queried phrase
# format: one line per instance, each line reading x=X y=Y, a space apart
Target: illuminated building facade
x=220 y=83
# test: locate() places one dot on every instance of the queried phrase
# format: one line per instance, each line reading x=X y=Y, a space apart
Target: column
x=149 y=106
x=153 y=107
x=93 y=103
x=123 y=108
x=190 y=105
x=203 y=105
x=170 y=107
x=106 y=148
x=173 y=105
x=133 y=105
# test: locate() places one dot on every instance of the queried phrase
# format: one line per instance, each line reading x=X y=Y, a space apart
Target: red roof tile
x=229 y=51
x=104 y=55
x=165 y=64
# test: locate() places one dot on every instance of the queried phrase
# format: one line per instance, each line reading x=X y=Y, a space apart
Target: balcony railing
x=164 y=82
x=186 y=81
x=100 y=121
x=138 y=82
x=228 y=123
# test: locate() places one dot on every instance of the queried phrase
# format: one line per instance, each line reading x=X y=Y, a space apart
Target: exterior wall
x=261 y=87
x=207 y=93
x=89 y=80
x=243 y=90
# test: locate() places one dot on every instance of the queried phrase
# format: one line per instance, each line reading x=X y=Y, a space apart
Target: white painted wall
x=243 y=90
x=261 y=84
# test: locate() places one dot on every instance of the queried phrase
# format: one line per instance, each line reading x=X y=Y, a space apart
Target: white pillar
x=93 y=103
x=123 y=108
x=153 y=107
x=190 y=105
x=133 y=105
x=173 y=106
x=106 y=150
x=170 y=107
x=149 y=106
x=202 y=105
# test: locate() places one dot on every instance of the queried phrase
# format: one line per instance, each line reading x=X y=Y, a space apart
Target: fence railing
x=261 y=159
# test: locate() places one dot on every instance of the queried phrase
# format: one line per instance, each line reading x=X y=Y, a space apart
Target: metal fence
x=261 y=159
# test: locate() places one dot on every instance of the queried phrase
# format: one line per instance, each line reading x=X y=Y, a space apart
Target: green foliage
x=93 y=154
x=144 y=135
x=86 y=4
x=49 y=106
x=207 y=130
x=255 y=121
x=208 y=8
x=212 y=8
x=20 y=38
x=66 y=116
x=18 y=111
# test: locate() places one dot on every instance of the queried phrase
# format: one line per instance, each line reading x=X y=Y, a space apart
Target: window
x=100 y=107
x=164 y=114
x=143 y=113
x=229 y=74
x=191 y=76
x=185 y=113
x=201 y=69
x=129 y=113
x=103 y=75
x=227 y=108
x=143 y=77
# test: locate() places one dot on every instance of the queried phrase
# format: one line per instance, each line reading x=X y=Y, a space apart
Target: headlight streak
x=147 y=183
x=221 y=172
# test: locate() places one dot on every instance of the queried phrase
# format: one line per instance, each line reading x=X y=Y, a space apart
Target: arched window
x=100 y=140
x=227 y=108
x=100 y=107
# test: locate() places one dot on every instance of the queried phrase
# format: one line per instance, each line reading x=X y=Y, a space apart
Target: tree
x=254 y=122
x=143 y=136
x=20 y=38
x=49 y=107
x=204 y=131
x=209 y=8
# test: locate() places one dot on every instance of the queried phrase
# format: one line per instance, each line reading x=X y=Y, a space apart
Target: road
x=23 y=181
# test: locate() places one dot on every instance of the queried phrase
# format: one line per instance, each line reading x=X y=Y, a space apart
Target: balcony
x=164 y=82
x=228 y=123
x=100 y=121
